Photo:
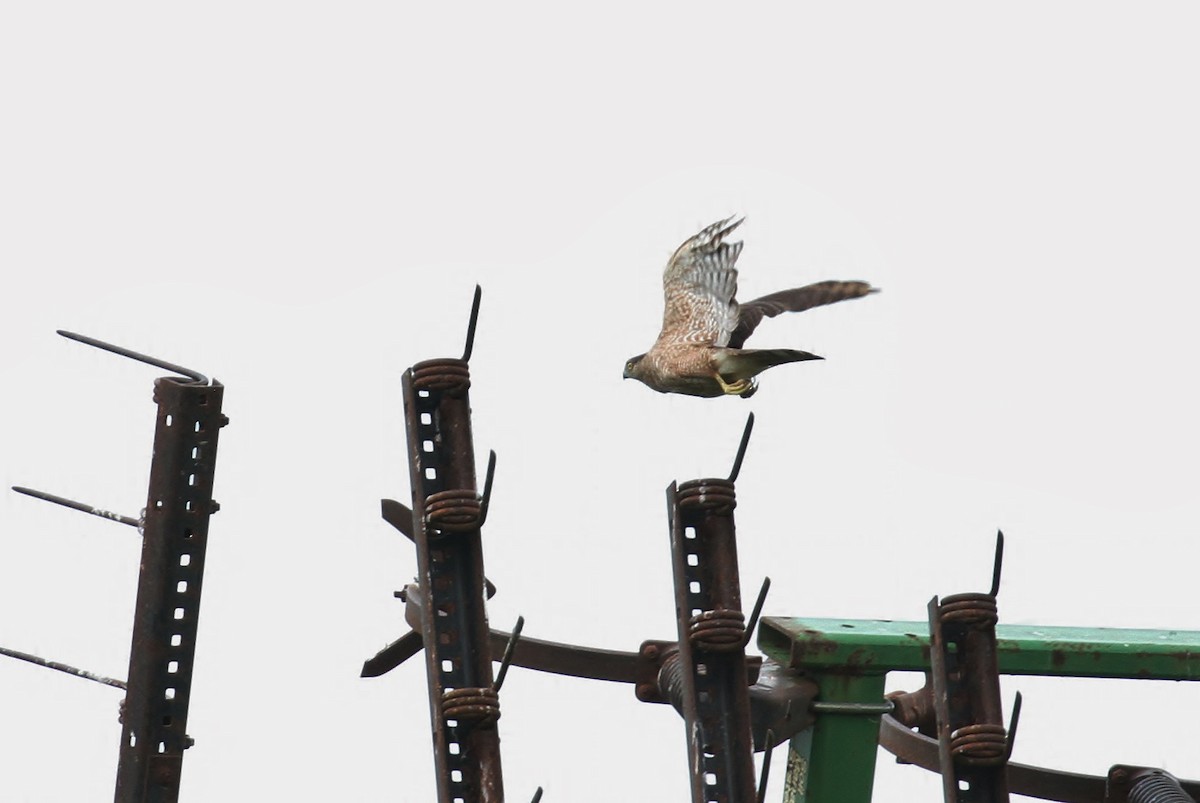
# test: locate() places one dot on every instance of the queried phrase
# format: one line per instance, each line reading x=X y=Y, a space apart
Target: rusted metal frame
x=447 y=515
x=710 y=672
x=779 y=697
x=973 y=745
x=175 y=535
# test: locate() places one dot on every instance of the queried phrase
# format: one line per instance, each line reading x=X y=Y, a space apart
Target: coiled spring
x=720 y=630
x=1157 y=787
x=716 y=496
x=979 y=745
x=969 y=609
x=448 y=375
x=476 y=706
x=454 y=511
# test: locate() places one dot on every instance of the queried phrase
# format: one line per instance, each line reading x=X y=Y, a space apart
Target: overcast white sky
x=298 y=199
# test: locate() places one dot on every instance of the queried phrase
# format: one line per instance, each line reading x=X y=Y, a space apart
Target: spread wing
x=795 y=300
x=699 y=285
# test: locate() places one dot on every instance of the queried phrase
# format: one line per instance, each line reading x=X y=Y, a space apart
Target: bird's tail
x=797 y=299
x=736 y=364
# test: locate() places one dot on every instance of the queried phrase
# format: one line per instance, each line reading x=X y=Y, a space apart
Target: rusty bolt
x=650 y=651
x=1119 y=775
x=644 y=691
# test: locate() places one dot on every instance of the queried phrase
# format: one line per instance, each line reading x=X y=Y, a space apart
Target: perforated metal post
x=447 y=516
x=712 y=628
x=175 y=534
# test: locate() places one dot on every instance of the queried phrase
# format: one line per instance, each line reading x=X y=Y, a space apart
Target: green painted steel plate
x=872 y=646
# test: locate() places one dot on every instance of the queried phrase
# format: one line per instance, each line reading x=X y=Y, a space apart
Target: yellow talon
x=735 y=388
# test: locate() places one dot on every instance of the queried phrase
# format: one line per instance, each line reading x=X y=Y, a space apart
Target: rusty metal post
x=973 y=746
x=710 y=671
x=448 y=513
x=175 y=534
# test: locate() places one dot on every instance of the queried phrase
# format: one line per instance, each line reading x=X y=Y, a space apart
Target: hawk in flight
x=699 y=350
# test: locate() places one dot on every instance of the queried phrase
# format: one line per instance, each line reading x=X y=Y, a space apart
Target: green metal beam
x=835 y=762
x=876 y=646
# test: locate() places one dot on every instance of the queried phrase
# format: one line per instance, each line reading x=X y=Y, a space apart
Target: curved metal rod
x=754 y=614
x=766 y=769
x=486 y=496
x=741 y=452
x=67 y=668
x=80 y=506
x=1012 y=727
x=998 y=563
x=506 y=661
x=466 y=357
x=134 y=355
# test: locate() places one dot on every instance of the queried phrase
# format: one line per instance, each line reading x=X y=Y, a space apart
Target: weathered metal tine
x=80 y=506
x=999 y=562
x=754 y=614
x=471 y=326
x=134 y=355
x=766 y=767
x=392 y=655
x=509 y=649
x=487 y=487
x=741 y=452
x=67 y=668
x=537 y=796
x=1012 y=727
x=399 y=515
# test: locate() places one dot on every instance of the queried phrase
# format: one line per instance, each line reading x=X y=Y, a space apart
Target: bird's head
x=633 y=367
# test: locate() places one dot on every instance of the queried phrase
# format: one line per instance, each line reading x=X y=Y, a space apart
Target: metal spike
x=471 y=326
x=999 y=562
x=754 y=614
x=511 y=647
x=134 y=355
x=67 y=668
x=1012 y=727
x=537 y=796
x=741 y=452
x=487 y=487
x=766 y=767
x=80 y=506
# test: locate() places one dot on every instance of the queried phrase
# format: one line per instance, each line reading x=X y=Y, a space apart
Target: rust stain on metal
x=813 y=644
